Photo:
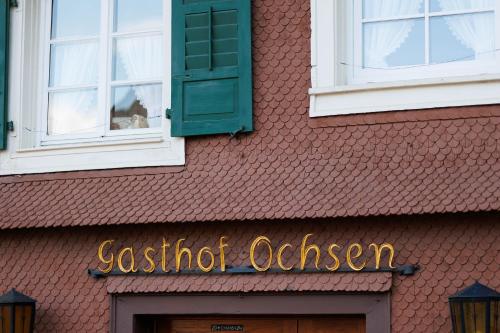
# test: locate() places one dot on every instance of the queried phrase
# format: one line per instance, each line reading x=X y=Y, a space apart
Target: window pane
x=456 y=318
x=75 y=18
x=452 y=5
x=5 y=314
x=72 y=64
x=23 y=318
x=72 y=112
x=462 y=37
x=394 y=43
x=373 y=9
x=133 y=15
x=495 y=317
x=138 y=58
x=475 y=317
x=136 y=107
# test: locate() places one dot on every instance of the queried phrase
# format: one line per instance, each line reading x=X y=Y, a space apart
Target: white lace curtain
x=142 y=59
x=382 y=39
x=474 y=31
x=73 y=111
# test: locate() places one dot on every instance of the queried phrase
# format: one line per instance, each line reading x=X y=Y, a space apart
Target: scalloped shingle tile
x=341 y=282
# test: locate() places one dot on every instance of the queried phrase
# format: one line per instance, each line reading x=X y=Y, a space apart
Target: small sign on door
x=227 y=328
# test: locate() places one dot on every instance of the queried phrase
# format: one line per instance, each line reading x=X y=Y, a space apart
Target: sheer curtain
x=142 y=59
x=73 y=111
x=382 y=39
x=475 y=31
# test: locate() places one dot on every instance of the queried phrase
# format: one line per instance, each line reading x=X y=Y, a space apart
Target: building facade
x=360 y=197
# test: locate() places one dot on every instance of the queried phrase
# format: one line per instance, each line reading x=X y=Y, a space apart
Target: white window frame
x=29 y=151
x=339 y=87
x=105 y=83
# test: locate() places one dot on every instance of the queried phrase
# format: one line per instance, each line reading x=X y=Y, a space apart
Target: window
x=422 y=38
x=91 y=98
x=390 y=55
x=89 y=85
x=92 y=82
x=105 y=69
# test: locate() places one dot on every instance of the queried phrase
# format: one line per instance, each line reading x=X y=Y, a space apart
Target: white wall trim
x=404 y=98
x=24 y=153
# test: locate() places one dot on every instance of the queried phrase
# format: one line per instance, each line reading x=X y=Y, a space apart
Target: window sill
x=147 y=152
x=405 y=95
x=105 y=142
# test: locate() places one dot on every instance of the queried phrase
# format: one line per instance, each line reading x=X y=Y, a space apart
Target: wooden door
x=225 y=325
x=151 y=324
x=246 y=325
x=334 y=325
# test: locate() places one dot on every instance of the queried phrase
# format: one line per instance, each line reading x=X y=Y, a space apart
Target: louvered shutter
x=211 y=67
x=4 y=55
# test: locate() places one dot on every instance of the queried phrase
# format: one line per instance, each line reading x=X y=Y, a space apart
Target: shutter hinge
x=168 y=113
x=14 y=4
x=238 y=131
x=10 y=126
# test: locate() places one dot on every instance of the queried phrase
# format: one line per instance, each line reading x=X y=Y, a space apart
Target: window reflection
x=136 y=107
x=133 y=15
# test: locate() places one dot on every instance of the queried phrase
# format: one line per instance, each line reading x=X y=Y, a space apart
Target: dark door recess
x=162 y=324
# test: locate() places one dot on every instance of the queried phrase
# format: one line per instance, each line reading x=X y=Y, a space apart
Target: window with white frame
x=387 y=55
x=89 y=83
x=104 y=69
x=396 y=39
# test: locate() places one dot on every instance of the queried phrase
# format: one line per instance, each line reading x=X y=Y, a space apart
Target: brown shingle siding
x=286 y=168
x=340 y=282
x=391 y=169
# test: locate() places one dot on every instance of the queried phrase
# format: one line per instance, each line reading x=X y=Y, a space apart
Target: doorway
x=316 y=313
x=163 y=324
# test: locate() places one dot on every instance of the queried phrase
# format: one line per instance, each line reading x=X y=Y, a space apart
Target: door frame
x=376 y=307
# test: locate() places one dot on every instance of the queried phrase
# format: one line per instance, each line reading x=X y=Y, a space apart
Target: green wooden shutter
x=211 y=67
x=4 y=55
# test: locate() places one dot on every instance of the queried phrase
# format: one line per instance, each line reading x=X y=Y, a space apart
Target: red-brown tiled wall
x=50 y=265
x=286 y=168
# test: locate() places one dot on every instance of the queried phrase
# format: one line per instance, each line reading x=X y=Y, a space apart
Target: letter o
x=257 y=242
x=208 y=251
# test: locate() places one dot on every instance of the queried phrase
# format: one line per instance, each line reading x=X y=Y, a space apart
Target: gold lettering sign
x=306 y=256
x=222 y=246
x=304 y=251
x=164 y=247
x=264 y=240
x=131 y=266
x=210 y=267
x=179 y=252
x=335 y=258
x=110 y=262
x=378 y=253
x=279 y=258
x=150 y=260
